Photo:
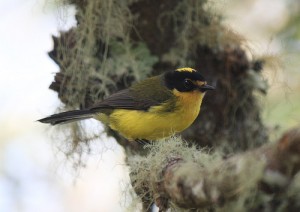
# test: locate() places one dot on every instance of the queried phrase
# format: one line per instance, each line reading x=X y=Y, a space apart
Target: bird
x=154 y=108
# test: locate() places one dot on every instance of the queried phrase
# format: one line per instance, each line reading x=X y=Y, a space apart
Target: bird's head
x=186 y=80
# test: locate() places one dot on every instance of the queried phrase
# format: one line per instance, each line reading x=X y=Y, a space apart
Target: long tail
x=65 y=117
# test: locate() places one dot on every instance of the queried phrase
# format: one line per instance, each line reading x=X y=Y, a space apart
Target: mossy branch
x=116 y=43
x=202 y=180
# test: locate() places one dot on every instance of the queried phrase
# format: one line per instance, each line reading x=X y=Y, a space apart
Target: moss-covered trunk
x=116 y=43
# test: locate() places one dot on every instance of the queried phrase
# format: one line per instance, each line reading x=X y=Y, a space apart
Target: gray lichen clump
x=117 y=43
x=180 y=177
x=201 y=179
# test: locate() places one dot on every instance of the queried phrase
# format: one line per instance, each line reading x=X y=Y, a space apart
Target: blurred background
x=35 y=175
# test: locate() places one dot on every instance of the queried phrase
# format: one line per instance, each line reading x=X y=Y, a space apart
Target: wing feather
x=135 y=98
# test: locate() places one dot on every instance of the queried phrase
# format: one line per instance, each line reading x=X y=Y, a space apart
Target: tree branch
x=188 y=183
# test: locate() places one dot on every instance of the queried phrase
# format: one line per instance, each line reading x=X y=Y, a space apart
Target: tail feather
x=65 y=117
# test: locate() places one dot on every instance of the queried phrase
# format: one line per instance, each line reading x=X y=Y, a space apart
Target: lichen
x=116 y=43
x=96 y=58
x=233 y=183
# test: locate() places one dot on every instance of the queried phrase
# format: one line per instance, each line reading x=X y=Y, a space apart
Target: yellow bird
x=154 y=108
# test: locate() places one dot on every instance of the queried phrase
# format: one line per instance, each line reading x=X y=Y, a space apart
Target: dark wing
x=140 y=96
x=123 y=99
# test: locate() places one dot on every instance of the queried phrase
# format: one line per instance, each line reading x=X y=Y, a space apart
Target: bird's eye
x=188 y=84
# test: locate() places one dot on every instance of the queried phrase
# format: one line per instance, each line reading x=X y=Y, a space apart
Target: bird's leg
x=143 y=142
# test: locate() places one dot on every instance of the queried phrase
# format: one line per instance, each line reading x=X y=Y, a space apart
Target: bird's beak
x=204 y=88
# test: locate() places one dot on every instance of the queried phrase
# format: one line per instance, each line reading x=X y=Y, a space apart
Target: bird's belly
x=153 y=125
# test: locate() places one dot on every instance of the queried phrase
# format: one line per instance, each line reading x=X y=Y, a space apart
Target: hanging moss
x=117 y=43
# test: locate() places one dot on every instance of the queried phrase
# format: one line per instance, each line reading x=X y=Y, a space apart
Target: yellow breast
x=156 y=123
